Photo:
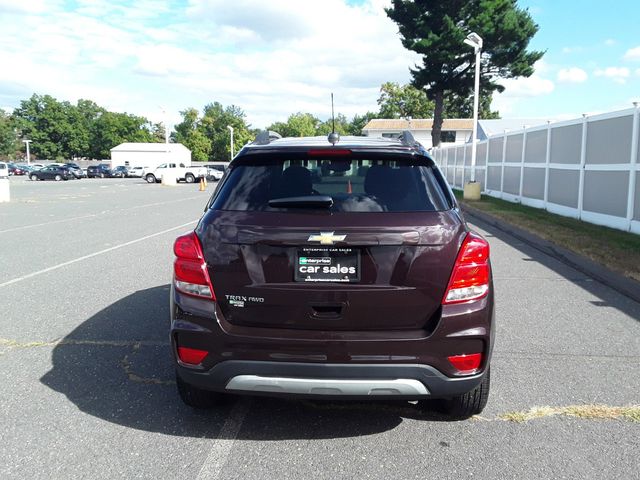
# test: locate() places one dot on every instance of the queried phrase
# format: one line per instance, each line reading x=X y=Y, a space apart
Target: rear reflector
x=466 y=364
x=470 y=276
x=191 y=356
x=189 y=268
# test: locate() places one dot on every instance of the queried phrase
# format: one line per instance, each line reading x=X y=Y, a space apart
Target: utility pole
x=231 y=130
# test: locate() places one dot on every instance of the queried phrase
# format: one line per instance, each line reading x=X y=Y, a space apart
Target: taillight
x=191 y=356
x=329 y=152
x=189 y=268
x=466 y=364
x=470 y=277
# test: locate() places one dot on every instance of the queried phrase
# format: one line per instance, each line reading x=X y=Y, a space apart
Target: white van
x=4 y=170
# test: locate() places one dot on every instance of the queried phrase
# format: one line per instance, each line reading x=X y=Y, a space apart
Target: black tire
x=57 y=178
x=189 y=178
x=33 y=178
x=102 y=175
x=471 y=403
x=150 y=179
x=196 y=397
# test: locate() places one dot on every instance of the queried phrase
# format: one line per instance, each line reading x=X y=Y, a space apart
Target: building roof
x=488 y=128
x=148 y=147
x=418 y=124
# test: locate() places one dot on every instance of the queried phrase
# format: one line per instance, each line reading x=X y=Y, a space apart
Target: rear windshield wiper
x=309 y=201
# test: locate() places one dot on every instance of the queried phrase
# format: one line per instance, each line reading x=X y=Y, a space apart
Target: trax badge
x=326 y=238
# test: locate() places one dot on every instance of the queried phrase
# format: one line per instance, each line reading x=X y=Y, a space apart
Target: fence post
x=524 y=147
x=633 y=171
x=546 y=165
x=583 y=158
x=504 y=155
x=486 y=167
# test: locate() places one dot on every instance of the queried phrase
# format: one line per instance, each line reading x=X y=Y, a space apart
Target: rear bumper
x=401 y=381
x=284 y=362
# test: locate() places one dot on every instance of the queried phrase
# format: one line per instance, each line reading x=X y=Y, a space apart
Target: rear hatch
x=365 y=242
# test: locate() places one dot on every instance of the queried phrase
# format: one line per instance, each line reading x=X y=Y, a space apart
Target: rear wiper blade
x=308 y=201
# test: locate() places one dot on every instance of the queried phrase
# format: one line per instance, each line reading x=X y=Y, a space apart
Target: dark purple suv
x=333 y=270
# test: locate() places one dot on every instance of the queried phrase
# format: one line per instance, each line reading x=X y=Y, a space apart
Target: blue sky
x=282 y=56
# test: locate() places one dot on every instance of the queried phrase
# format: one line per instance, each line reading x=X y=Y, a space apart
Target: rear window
x=354 y=185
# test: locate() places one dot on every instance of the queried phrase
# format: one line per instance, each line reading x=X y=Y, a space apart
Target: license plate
x=315 y=264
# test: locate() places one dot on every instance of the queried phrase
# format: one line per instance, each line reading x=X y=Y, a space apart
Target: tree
x=456 y=106
x=341 y=124
x=359 y=121
x=297 y=125
x=403 y=101
x=437 y=29
x=208 y=137
x=8 y=137
x=112 y=129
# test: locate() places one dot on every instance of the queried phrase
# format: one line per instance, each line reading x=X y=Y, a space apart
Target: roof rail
x=265 y=137
x=408 y=139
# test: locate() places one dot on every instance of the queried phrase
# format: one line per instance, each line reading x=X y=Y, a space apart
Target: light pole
x=27 y=142
x=474 y=40
x=231 y=141
x=166 y=132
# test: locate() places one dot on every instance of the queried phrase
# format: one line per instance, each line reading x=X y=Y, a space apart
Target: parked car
x=101 y=170
x=215 y=171
x=16 y=170
x=181 y=172
x=119 y=172
x=137 y=171
x=36 y=166
x=54 y=172
x=75 y=169
x=362 y=283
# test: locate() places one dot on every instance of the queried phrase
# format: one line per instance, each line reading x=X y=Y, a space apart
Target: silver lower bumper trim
x=314 y=386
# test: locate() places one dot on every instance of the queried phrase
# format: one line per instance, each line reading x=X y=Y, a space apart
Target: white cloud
x=572 y=75
x=571 y=49
x=637 y=72
x=609 y=42
x=617 y=74
x=632 y=54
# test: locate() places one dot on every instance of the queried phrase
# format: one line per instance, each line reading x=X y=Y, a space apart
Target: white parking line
x=221 y=449
x=95 y=254
x=24 y=227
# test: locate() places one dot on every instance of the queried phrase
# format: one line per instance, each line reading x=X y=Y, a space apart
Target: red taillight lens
x=189 y=268
x=191 y=356
x=470 y=277
x=466 y=364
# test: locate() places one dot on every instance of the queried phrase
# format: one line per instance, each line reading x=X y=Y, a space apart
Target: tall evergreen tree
x=436 y=30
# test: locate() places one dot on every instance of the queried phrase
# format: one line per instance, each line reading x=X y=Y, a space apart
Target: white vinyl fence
x=585 y=168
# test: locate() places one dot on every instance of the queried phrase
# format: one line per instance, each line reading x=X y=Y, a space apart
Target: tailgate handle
x=327 y=311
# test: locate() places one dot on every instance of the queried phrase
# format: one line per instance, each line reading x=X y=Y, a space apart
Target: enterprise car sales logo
x=326 y=238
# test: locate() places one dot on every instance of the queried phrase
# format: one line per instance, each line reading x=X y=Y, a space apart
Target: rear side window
x=354 y=185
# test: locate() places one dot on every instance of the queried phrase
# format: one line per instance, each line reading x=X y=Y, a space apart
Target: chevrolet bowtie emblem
x=326 y=238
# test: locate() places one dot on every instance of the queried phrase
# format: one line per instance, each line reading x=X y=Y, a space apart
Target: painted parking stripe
x=95 y=254
x=105 y=212
x=221 y=448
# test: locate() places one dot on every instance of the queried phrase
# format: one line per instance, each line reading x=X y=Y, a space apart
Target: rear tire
x=57 y=178
x=189 y=178
x=195 y=397
x=150 y=179
x=471 y=403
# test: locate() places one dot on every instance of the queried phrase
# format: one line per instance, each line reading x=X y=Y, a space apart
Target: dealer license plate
x=317 y=264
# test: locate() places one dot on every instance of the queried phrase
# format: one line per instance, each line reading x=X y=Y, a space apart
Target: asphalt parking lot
x=87 y=382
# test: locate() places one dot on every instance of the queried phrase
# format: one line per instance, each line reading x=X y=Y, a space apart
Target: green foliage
x=457 y=106
x=297 y=125
x=402 y=101
x=60 y=130
x=436 y=30
x=8 y=139
x=359 y=121
x=208 y=137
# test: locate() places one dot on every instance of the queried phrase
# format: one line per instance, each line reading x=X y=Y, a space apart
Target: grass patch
x=588 y=412
x=618 y=250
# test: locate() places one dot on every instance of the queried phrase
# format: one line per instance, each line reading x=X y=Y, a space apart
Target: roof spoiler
x=265 y=137
x=408 y=139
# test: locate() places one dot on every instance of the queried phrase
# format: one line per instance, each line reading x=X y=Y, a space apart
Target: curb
x=626 y=286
